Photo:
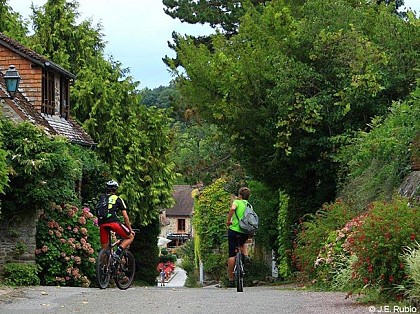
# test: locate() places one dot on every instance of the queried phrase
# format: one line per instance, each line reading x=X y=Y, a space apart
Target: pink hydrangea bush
x=67 y=246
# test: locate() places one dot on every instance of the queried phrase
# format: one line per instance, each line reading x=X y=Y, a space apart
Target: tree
x=132 y=139
x=223 y=15
x=161 y=97
x=12 y=23
x=220 y=13
x=59 y=37
x=107 y=103
x=203 y=154
x=290 y=87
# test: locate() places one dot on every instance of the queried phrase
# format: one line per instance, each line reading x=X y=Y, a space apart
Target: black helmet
x=112 y=185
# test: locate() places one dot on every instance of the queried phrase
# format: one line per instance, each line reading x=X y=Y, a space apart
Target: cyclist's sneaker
x=231 y=284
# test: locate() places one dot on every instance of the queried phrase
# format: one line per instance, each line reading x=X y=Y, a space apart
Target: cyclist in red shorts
x=116 y=206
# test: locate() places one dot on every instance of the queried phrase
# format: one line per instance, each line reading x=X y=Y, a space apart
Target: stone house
x=175 y=222
x=43 y=99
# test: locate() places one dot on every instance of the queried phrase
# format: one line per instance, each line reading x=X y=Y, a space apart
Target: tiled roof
x=32 y=55
x=184 y=202
x=70 y=129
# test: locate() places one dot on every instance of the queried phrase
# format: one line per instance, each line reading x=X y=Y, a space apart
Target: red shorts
x=115 y=226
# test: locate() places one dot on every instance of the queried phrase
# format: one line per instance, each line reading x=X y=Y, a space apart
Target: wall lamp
x=12 y=80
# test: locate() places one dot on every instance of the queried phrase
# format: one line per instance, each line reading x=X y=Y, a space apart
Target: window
x=48 y=95
x=181 y=225
x=64 y=98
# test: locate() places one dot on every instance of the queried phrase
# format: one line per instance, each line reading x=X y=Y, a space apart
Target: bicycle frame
x=108 y=267
x=238 y=269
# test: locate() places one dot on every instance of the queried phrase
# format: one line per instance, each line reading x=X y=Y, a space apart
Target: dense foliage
x=3 y=167
x=285 y=237
x=218 y=14
x=359 y=245
x=136 y=150
x=315 y=233
x=265 y=203
x=19 y=274
x=105 y=100
x=378 y=242
x=203 y=154
x=146 y=253
x=377 y=161
x=41 y=169
x=210 y=212
x=67 y=246
x=12 y=23
x=290 y=88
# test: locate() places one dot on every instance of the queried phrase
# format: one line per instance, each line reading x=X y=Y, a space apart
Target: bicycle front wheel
x=126 y=268
x=103 y=271
x=239 y=273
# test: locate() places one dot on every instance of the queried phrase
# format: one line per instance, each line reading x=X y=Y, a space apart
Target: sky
x=137 y=33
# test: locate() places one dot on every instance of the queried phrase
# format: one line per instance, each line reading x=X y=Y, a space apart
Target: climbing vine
x=212 y=206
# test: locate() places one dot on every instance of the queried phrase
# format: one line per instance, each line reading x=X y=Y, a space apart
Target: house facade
x=43 y=97
x=175 y=222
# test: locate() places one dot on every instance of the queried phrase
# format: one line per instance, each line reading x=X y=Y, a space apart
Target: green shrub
x=146 y=264
x=210 y=212
x=341 y=273
x=215 y=266
x=18 y=274
x=411 y=257
x=42 y=169
x=186 y=253
x=334 y=263
x=192 y=280
x=257 y=271
x=378 y=243
x=375 y=164
x=317 y=231
x=67 y=246
x=284 y=236
x=167 y=258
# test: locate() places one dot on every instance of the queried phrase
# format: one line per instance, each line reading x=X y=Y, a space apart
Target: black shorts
x=233 y=241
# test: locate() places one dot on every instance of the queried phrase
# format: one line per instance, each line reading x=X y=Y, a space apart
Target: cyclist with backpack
x=236 y=212
x=108 y=209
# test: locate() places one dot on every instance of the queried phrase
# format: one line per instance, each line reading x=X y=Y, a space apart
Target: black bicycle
x=238 y=269
x=107 y=267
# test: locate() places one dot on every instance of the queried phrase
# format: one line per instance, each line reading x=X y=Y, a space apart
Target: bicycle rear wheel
x=103 y=271
x=239 y=274
x=126 y=268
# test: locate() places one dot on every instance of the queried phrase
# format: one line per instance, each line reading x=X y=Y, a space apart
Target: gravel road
x=159 y=300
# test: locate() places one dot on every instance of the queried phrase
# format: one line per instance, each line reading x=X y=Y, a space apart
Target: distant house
x=176 y=221
x=44 y=92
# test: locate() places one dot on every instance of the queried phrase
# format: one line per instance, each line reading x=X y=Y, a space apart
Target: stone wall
x=17 y=238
